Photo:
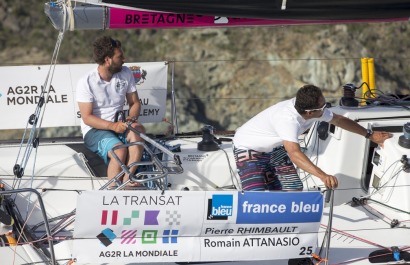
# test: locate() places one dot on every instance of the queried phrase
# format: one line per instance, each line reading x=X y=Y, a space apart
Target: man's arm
x=134 y=105
x=303 y=162
x=378 y=136
x=86 y=110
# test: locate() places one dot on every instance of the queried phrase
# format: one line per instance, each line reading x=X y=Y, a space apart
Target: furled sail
x=97 y=14
x=274 y=9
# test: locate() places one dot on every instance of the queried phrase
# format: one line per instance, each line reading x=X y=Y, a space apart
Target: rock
x=224 y=76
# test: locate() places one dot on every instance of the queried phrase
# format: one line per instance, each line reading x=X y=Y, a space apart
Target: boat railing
x=49 y=238
x=328 y=199
x=325 y=246
x=151 y=171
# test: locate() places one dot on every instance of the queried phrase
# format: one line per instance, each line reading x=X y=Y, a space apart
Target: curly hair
x=307 y=97
x=103 y=47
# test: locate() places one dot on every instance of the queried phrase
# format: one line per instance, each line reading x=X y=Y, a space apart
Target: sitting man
x=101 y=94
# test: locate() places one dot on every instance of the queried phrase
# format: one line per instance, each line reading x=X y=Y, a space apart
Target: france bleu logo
x=220 y=207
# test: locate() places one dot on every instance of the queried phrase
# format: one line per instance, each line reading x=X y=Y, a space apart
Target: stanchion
x=326 y=239
x=330 y=193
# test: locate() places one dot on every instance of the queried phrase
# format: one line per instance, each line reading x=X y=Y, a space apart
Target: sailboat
x=190 y=207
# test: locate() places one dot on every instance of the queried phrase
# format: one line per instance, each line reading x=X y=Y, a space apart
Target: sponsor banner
x=180 y=226
x=257 y=208
x=128 y=19
x=22 y=86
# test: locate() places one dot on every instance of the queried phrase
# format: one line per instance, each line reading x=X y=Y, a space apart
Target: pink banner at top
x=128 y=19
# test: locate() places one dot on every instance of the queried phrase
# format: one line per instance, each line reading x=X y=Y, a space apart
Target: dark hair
x=307 y=97
x=103 y=47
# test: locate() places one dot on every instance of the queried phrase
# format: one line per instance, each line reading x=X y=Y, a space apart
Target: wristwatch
x=369 y=133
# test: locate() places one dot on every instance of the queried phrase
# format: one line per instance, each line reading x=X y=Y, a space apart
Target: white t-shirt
x=270 y=127
x=107 y=97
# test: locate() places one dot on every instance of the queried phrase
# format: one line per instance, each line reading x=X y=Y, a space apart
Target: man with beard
x=101 y=95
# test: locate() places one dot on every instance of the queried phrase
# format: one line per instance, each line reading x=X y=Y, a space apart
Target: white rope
x=71 y=15
x=49 y=78
x=283 y=5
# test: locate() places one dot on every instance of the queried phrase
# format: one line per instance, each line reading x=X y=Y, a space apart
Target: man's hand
x=133 y=119
x=330 y=181
x=118 y=127
x=379 y=137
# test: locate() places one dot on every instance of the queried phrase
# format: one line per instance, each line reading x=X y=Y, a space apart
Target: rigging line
x=355 y=237
x=405 y=248
x=46 y=84
x=374 y=256
x=282 y=59
x=21 y=232
x=232 y=173
x=31 y=182
x=367 y=196
x=49 y=78
x=45 y=177
x=310 y=134
x=370 y=230
x=33 y=241
x=362 y=258
x=381 y=216
x=388 y=206
x=21 y=143
x=380 y=96
x=393 y=179
x=375 y=212
x=42 y=262
x=385 y=184
x=24 y=158
x=388 y=181
x=265 y=97
x=315 y=146
x=31 y=142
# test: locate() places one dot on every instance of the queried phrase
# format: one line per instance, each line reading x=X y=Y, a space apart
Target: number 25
x=305 y=251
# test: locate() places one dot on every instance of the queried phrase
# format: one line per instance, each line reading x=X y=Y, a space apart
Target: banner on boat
x=180 y=226
x=22 y=86
x=128 y=18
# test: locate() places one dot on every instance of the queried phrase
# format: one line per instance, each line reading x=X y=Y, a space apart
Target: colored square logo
x=149 y=236
x=222 y=205
x=106 y=237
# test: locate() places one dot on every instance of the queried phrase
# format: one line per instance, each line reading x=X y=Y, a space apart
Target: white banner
x=22 y=86
x=181 y=226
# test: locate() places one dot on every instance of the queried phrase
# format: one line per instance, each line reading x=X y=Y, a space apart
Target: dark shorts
x=261 y=171
x=102 y=141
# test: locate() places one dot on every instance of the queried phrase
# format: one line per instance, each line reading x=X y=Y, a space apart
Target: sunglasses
x=319 y=109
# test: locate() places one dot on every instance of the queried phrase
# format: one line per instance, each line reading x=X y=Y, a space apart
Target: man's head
x=309 y=98
x=108 y=51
